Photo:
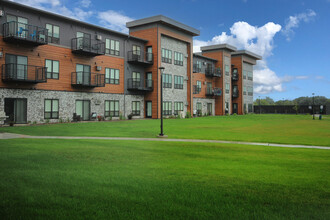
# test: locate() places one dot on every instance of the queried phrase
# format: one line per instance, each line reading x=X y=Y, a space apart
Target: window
x=226 y=107
x=250 y=108
x=199 y=108
x=199 y=66
x=111 y=108
x=16 y=67
x=250 y=90
x=112 y=47
x=136 y=79
x=250 y=75
x=178 y=106
x=136 y=108
x=244 y=108
x=111 y=76
x=178 y=82
x=53 y=33
x=17 y=29
x=244 y=90
x=178 y=58
x=227 y=87
x=167 y=108
x=51 y=109
x=167 y=80
x=136 y=50
x=199 y=86
x=53 y=67
x=166 y=56
x=244 y=74
x=227 y=70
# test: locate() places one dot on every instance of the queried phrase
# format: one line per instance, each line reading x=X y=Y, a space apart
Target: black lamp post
x=161 y=101
x=313 y=107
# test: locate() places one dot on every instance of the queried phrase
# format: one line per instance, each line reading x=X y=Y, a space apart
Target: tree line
x=304 y=100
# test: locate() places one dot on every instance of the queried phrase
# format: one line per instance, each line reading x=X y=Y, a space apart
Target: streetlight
x=313 y=107
x=161 y=101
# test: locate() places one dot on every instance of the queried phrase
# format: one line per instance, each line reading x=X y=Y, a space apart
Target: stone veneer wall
x=227 y=79
x=247 y=99
x=171 y=94
x=204 y=104
x=35 y=102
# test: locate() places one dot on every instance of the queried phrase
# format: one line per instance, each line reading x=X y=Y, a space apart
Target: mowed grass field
x=97 y=179
x=285 y=129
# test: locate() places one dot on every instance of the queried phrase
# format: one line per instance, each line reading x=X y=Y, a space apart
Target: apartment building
x=56 y=68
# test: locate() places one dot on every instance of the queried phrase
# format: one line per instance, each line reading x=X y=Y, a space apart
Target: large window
x=199 y=86
x=198 y=67
x=111 y=76
x=17 y=30
x=178 y=82
x=227 y=70
x=167 y=108
x=136 y=79
x=167 y=80
x=166 y=56
x=112 y=47
x=250 y=75
x=136 y=50
x=244 y=74
x=244 y=90
x=227 y=87
x=111 y=108
x=51 y=109
x=199 y=108
x=16 y=67
x=53 y=67
x=53 y=33
x=136 y=108
x=178 y=58
x=250 y=90
x=178 y=106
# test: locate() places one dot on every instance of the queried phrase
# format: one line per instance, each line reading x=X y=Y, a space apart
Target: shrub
x=227 y=114
x=47 y=121
x=178 y=116
x=121 y=117
x=34 y=122
x=188 y=114
x=130 y=116
x=61 y=120
x=234 y=114
x=68 y=120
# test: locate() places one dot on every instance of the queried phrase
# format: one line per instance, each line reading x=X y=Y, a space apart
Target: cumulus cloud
x=114 y=20
x=58 y=7
x=85 y=3
x=294 y=21
x=255 y=39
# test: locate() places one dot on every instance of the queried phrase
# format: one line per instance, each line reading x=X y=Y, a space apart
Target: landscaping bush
x=188 y=115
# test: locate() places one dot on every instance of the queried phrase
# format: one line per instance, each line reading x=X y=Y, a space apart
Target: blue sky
x=292 y=36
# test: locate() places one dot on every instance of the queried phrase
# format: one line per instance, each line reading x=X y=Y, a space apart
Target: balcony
x=12 y=72
x=234 y=76
x=140 y=58
x=87 y=46
x=211 y=72
x=196 y=89
x=87 y=79
x=196 y=68
x=235 y=93
x=140 y=85
x=213 y=91
x=16 y=32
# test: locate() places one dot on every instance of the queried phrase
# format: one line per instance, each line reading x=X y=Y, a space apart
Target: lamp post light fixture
x=161 y=69
x=313 y=107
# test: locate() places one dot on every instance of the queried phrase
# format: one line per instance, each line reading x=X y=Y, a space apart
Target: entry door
x=149 y=54
x=16 y=110
x=235 y=108
x=209 y=108
x=83 y=109
x=83 y=74
x=148 y=109
x=149 y=80
x=16 y=67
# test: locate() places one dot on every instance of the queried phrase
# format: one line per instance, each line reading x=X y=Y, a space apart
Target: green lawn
x=88 y=179
x=288 y=129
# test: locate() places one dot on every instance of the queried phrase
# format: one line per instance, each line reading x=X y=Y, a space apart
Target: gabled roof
x=164 y=20
x=247 y=53
x=219 y=47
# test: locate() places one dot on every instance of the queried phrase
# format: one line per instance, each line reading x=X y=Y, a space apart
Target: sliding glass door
x=83 y=109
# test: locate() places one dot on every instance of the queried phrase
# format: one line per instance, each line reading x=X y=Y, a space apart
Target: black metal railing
x=87 y=79
x=213 y=91
x=87 y=46
x=139 y=84
x=20 y=32
x=235 y=93
x=178 y=86
x=196 y=68
x=23 y=73
x=140 y=57
x=217 y=72
x=209 y=71
x=196 y=89
x=234 y=76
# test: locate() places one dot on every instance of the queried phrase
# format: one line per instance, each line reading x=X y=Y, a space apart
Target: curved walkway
x=12 y=136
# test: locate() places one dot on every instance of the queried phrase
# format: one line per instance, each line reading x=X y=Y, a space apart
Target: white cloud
x=85 y=3
x=255 y=39
x=302 y=77
x=58 y=7
x=114 y=20
x=293 y=22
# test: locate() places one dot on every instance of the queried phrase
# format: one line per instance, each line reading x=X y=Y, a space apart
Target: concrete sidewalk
x=12 y=136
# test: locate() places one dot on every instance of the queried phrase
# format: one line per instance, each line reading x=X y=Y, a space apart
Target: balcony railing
x=87 y=79
x=140 y=85
x=235 y=93
x=140 y=57
x=196 y=68
x=212 y=72
x=12 y=72
x=213 y=91
x=196 y=89
x=17 y=32
x=234 y=76
x=87 y=46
